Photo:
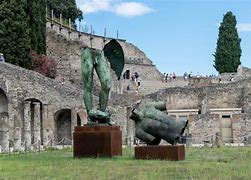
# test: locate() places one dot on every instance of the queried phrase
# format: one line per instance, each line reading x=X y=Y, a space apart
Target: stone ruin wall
x=204 y=98
x=32 y=105
x=211 y=102
x=30 y=94
x=243 y=71
x=64 y=46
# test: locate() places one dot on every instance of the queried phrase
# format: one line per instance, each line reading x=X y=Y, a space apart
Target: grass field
x=206 y=163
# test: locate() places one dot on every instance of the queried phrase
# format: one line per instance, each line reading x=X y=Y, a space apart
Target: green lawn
x=206 y=163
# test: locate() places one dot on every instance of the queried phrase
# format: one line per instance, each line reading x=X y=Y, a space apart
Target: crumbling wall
x=64 y=46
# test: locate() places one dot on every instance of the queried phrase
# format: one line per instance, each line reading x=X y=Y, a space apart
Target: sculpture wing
x=115 y=55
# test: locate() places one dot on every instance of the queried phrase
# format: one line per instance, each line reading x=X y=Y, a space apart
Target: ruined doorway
x=4 y=121
x=126 y=75
x=63 y=126
x=3 y=102
x=226 y=129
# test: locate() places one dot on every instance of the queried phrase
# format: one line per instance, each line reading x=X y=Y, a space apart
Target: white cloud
x=244 y=27
x=91 y=6
x=126 y=9
x=130 y=9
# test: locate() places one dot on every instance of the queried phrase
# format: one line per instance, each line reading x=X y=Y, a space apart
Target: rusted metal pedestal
x=96 y=141
x=165 y=152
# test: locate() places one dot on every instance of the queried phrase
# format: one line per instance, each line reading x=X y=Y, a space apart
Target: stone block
x=97 y=141
x=164 y=152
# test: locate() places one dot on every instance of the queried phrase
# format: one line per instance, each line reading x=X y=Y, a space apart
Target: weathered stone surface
x=66 y=51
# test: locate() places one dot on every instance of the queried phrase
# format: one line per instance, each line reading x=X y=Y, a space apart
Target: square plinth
x=164 y=152
x=96 y=141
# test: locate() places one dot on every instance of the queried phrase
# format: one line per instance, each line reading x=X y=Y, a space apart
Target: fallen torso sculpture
x=152 y=124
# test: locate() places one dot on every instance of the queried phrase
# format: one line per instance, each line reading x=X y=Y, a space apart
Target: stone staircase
x=149 y=86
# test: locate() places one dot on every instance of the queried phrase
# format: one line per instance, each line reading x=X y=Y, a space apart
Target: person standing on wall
x=2 y=57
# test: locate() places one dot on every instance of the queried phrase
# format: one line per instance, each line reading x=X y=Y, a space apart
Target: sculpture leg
x=103 y=71
x=87 y=67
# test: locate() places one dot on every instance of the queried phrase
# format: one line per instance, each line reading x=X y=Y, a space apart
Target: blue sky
x=177 y=35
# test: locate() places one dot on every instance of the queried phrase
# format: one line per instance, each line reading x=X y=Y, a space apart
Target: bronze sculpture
x=95 y=59
x=99 y=60
x=152 y=124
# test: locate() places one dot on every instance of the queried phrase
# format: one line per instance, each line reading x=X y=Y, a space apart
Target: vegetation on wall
x=228 y=50
x=67 y=8
x=43 y=65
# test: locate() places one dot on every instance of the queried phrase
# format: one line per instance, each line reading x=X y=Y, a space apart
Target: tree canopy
x=228 y=50
x=36 y=10
x=67 y=8
x=22 y=29
x=14 y=32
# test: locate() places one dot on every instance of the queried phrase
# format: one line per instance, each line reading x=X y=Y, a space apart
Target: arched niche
x=63 y=125
x=115 y=55
x=3 y=102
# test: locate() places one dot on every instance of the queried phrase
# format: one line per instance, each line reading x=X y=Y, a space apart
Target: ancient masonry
x=214 y=112
x=64 y=45
x=37 y=111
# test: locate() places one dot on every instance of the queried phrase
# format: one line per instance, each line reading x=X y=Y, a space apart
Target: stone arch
x=115 y=55
x=3 y=102
x=63 y=125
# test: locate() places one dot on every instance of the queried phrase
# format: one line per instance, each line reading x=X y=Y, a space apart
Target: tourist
x=190 y=75
x=174 y=76
x=170 y=77
x=128 y=88
x=138 y=81
x=185 y=76
x=137 y=90
x=2 y=57
x=164 y=77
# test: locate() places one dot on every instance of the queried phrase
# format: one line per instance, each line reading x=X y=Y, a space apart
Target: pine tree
x=228 y=50
x=14 y=32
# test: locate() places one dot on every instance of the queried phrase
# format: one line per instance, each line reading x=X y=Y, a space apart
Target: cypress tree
x=14 y=32
x=228 y=50
x=37 y=23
